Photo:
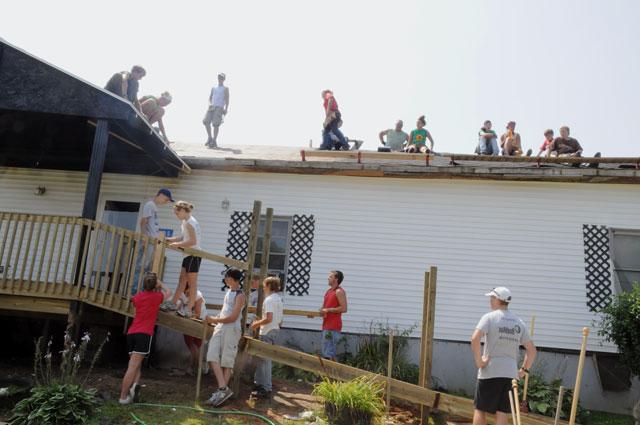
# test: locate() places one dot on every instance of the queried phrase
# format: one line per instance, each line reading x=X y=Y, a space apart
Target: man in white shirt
x=269 y=324
x=504 y=333
x=218 y=107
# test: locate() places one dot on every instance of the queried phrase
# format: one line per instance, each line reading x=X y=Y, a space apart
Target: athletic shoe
x=134 y=392
x=261 y=393
x=168 y=306
x=215 y=398
x=529 y=152
x=595 y=164
x=182 y=313
x=127 y=400
x=208 y=142
x=225 y=394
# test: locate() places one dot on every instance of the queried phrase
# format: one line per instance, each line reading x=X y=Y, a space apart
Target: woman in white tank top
x=190 y=238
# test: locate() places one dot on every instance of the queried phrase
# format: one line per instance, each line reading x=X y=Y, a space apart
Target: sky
x=542 y=63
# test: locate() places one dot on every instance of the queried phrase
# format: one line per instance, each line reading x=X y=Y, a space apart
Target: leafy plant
x=55 y=404
x=620 y=324
x=373 y=353
x=360 y=397
x=543 y=398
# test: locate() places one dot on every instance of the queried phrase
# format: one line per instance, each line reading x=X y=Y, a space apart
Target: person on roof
x=565 y=145
x=510 y=141
x=418 y=138
x=396 y=138
x=153 y=108
x=218 y=107
x=487 y=140
x=125 y=84
x=332 y=123
x=546 y=144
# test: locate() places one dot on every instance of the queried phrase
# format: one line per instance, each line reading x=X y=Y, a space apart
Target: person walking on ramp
x=504 y=333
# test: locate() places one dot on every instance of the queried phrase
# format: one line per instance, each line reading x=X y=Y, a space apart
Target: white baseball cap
x=501 y=293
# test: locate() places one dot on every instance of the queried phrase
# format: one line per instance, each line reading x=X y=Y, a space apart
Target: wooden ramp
x=453 y=405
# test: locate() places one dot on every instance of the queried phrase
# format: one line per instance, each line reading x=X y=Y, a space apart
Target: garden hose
x=215 y=412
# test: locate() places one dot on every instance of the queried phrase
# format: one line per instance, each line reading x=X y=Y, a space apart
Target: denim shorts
x=329 y=343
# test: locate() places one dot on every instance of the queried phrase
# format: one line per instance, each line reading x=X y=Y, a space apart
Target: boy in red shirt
x=147 y=304
x=333 y=306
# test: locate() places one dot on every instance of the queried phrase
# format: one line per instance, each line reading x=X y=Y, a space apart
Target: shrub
x=373 y=353
x=55 y=404
x=542 y=398
x=354 y=402
x=620 y=324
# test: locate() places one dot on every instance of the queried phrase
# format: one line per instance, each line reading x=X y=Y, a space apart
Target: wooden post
x=251 y=255
x=524 y=405
x=576 y=389
x=389 y=371
x=514 y=385
x=428 y=324
x=423 y=329
x=513 y=409
x=200 y=355
x=264 y=263
x=559 y=406
x=158 y=254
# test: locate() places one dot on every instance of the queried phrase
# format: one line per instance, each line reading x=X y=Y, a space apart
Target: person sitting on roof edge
x=396 y=138
x=566 y=146
x=125 y=84
x=153 y=108
x=510 y=141
x=546 y=144
x=418 y=138
x=487 y=140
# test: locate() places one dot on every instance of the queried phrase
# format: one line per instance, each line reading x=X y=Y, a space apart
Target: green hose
x=215 y=412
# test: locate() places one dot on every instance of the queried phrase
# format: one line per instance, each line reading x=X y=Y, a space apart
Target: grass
x=114 y=414
x=605 y=418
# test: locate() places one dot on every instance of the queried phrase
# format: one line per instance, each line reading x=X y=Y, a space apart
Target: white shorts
x=223 y=346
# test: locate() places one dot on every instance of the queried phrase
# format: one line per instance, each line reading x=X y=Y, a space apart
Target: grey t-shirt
x=396 y=139
x=504 y=333
x=150 y=211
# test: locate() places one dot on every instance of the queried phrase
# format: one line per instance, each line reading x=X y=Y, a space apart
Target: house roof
x=281 y=159
x=48 y=115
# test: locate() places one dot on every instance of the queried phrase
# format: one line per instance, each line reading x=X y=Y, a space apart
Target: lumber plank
x=34 y=304
x=5 y=229
x=65 y=221
x=27 y=253
x=56 y=220
x=47 y=220
x=287 y=311
x=20 y=239
x=242 y=265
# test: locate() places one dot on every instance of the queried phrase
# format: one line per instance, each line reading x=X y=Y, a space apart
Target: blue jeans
x=488 y=147
x=329 y=343
x=263 y=371
x=147 y=267
x=327 y=143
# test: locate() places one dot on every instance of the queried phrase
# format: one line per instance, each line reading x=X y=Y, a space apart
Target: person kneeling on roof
x=153 y=108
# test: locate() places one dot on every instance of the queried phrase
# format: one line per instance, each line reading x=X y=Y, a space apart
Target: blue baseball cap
x=167 y=193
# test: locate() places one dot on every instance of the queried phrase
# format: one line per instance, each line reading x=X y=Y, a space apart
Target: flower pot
x=346 y=416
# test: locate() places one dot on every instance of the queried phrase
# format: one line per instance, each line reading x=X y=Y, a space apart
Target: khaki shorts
x=214 y=116
x=223 y=347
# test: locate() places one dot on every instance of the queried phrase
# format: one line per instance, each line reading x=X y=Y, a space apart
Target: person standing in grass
x=269 y=325
x=333 y=306
x=140 y=333
x=223 y=345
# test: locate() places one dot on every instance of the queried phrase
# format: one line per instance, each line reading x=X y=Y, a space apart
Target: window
x=278 y=247
x=625 y=258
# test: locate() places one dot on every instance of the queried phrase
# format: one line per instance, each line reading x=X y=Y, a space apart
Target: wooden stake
x=524 y=406
x=513 y=408
x=264 y=264
x=576 y=389
x=200 y=355
x=559 y=406
x=514 y=385
x=389 y=371
x=426 y=355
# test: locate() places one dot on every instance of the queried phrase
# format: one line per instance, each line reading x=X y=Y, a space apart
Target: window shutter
x=238 y=239
x=597 y=265
x=300 y=250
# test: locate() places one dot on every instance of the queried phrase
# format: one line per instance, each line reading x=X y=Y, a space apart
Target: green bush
x=362 y=397
x=373 y=353
x=55 y=404
x=620 y=324
x=542 y=398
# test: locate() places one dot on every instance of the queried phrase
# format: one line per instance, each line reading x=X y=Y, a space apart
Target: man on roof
x=125 y=84
x=153 y=108
x=218 y=107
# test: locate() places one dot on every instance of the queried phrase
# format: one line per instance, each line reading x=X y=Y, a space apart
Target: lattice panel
x=300 y=250
x=238 y=239
x=597 y=265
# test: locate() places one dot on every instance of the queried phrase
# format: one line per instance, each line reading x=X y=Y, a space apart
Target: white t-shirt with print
x=272 y=304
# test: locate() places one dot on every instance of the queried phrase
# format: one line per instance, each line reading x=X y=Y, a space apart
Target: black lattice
x=238 y=240
x=597 y=266
x=300 y=250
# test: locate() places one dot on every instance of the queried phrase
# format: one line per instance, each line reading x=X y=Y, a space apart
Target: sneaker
x=182 y=313
x=595 y=164
x=261 y=393
x=168 y=306
x=208 y=142
x=215 y=398
x=134 y=392
x=127 y=400
x=529 y=152
x=225 y=394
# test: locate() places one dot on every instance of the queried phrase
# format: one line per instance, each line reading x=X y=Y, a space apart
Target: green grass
x=117 y=414
x=605 y=418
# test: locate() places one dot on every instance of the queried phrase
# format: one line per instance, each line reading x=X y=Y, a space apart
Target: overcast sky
x=542 y=63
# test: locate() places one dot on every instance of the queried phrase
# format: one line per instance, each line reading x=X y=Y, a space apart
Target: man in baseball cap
x=503 y=333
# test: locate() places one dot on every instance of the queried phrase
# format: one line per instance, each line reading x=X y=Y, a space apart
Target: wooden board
x=287 y=311
x=36 y=304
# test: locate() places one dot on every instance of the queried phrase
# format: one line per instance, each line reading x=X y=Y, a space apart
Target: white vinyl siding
x=384 y=233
